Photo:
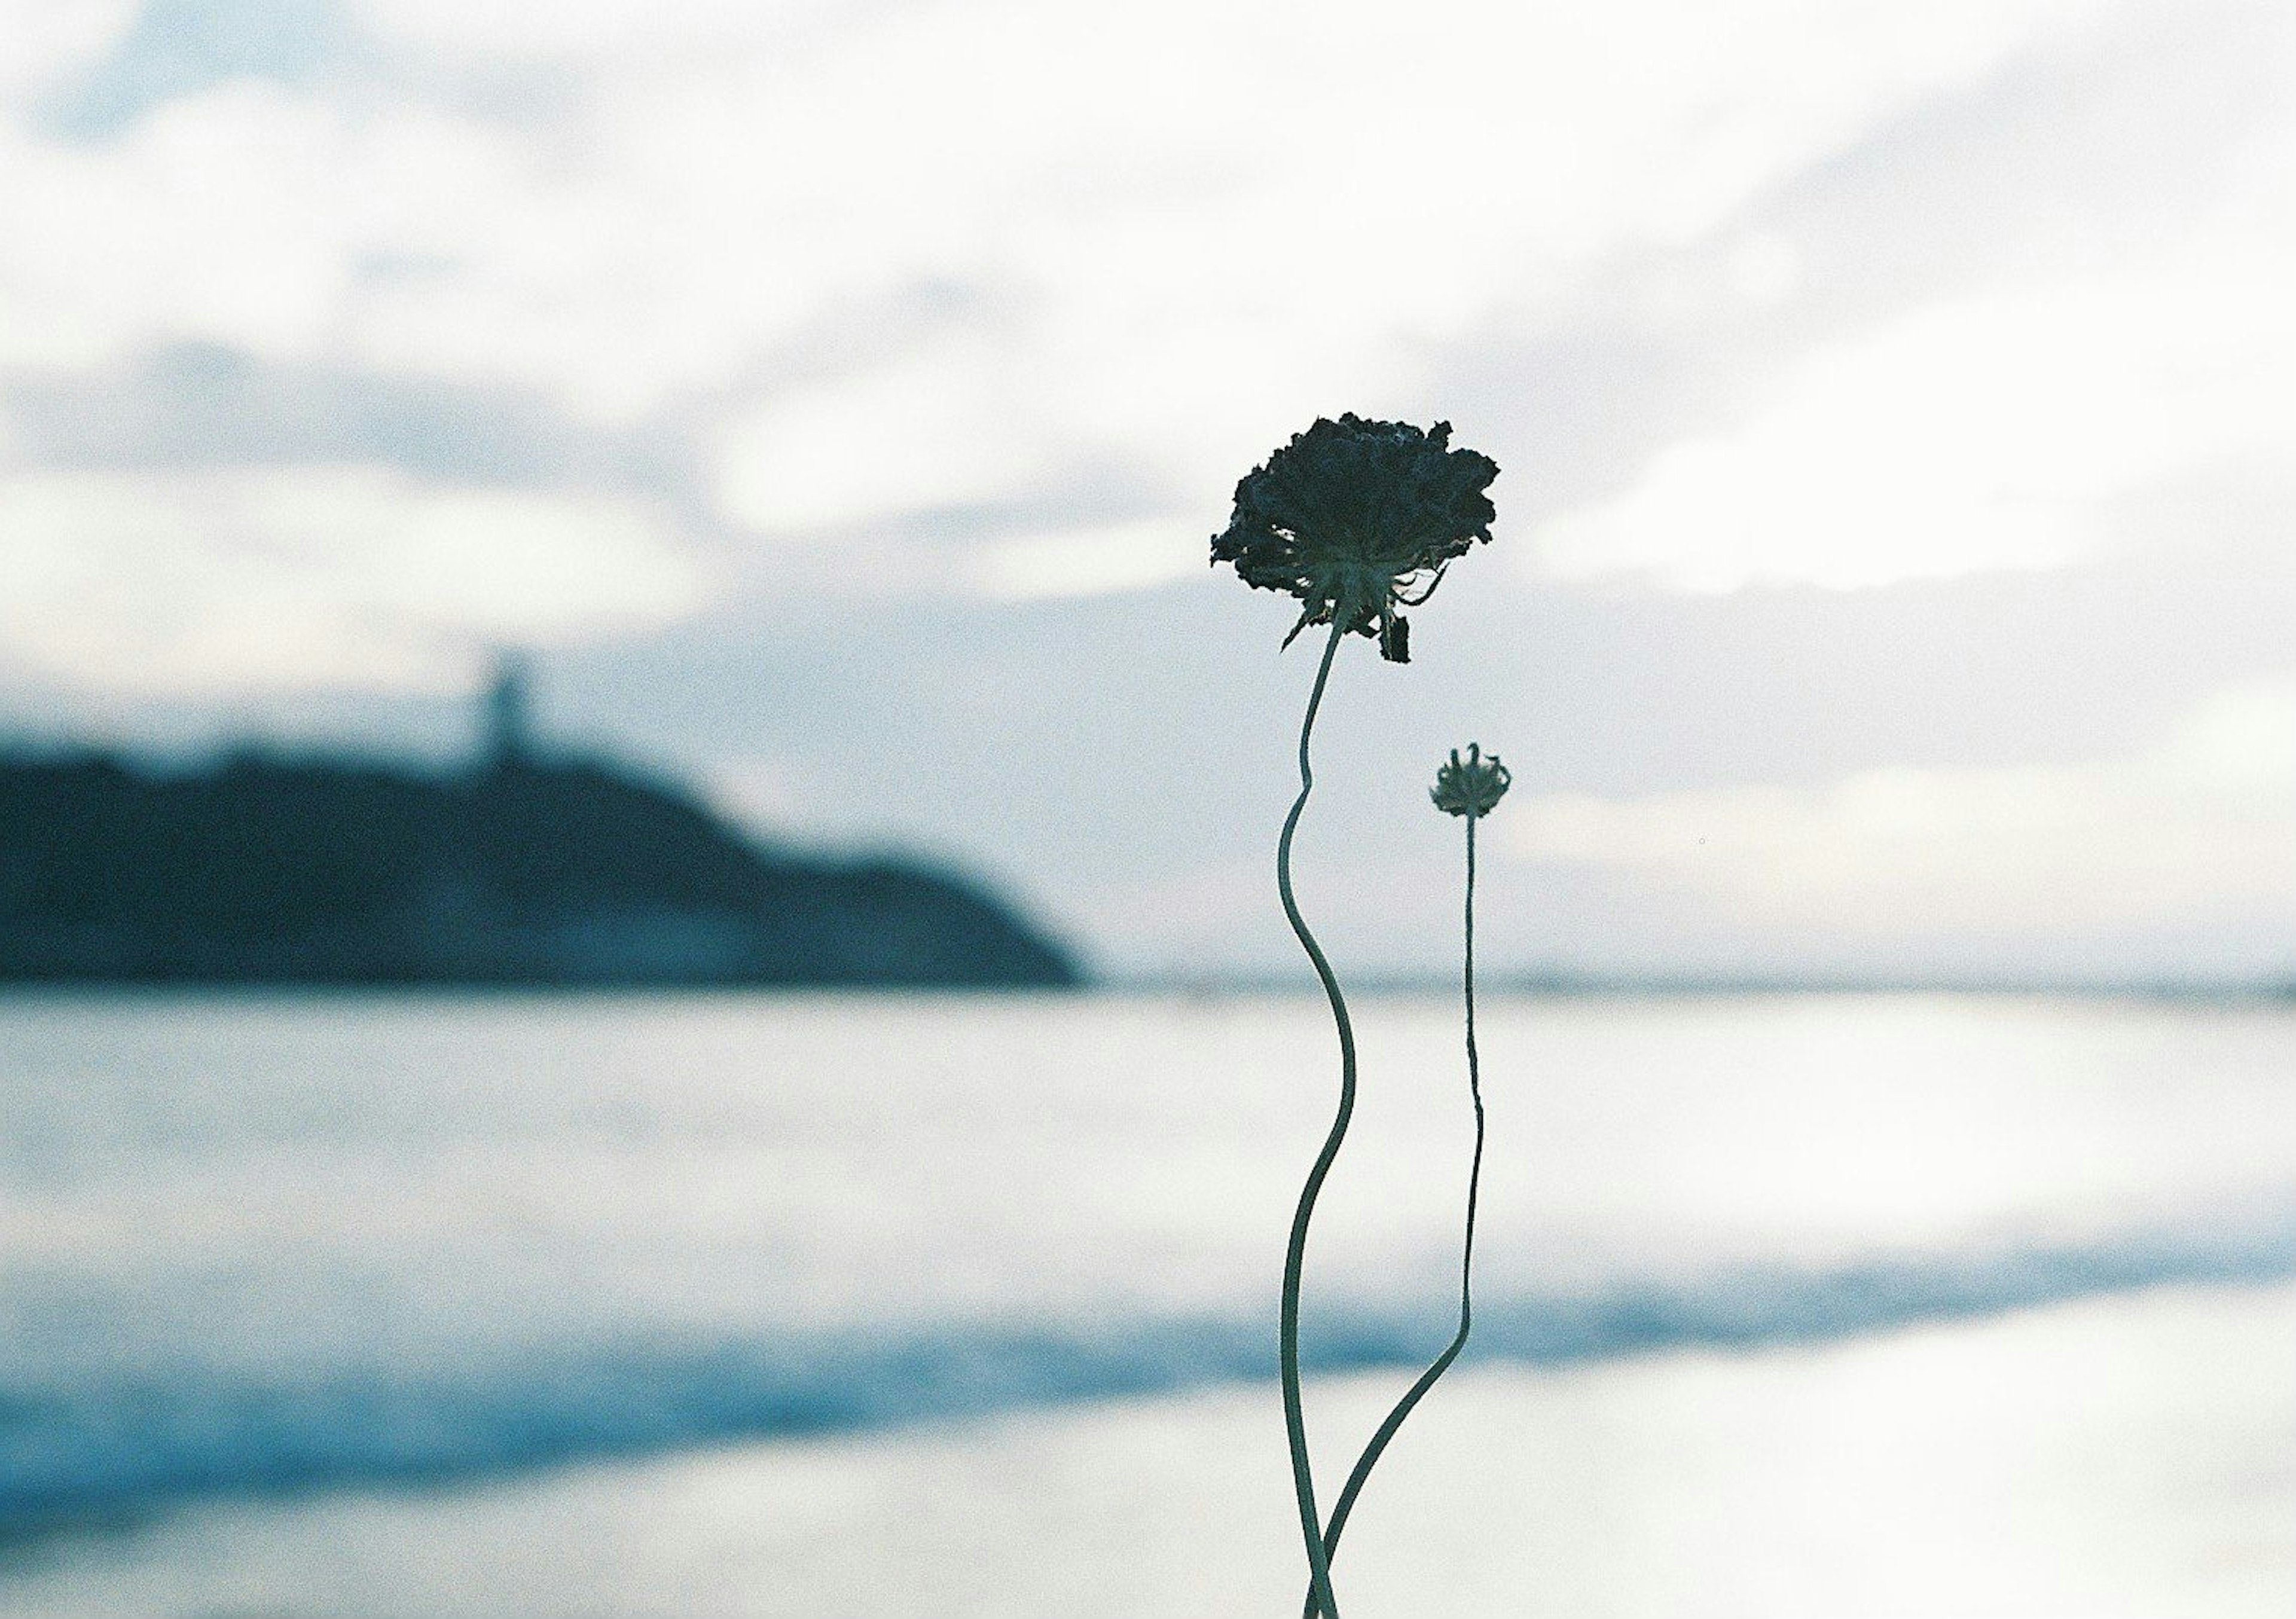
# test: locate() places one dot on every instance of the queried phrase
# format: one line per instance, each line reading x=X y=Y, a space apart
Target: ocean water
x=263 y=1258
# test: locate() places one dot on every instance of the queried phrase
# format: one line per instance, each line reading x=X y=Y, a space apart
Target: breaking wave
x=119 y=1443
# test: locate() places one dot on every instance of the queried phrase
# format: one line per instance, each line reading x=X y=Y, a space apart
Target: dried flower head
x=1471 y=785
x=1358 y=519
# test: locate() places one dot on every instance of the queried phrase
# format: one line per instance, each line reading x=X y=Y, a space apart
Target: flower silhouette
x=1472 y=785
x=1358 y=519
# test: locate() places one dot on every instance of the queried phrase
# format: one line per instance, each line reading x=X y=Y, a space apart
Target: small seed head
x=1471 y=785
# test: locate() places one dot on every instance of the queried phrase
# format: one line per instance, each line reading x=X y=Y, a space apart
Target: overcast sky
x=1895 y=404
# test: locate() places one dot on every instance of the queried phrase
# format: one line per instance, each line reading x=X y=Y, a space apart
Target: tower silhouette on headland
x=525 y=866
x=509 y=717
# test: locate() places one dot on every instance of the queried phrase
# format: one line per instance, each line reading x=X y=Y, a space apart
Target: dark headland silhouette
x=521 y=868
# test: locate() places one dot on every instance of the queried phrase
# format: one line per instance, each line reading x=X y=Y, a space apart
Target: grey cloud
x=1088 y=492
x=1802 y=685
x=1088 y=485
x=177 y=48
x=853 y=333
x=1100 y=747
x=196 y=405
x=1573 y=414
x=2062 y=160
x=1092 y=751
x=199 y=406
x=2065 y=157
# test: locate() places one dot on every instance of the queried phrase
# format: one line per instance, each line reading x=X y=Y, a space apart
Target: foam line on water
x=120 y=1444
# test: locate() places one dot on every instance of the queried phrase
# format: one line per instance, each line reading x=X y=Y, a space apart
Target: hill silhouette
x=268 y=870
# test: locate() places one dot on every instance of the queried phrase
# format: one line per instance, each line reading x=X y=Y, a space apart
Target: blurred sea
x=264 y=1261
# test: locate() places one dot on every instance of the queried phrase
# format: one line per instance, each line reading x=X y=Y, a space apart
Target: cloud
x=2201 y=824
x=179 y=48
x=2093 y=150
x=1164 y=181
x=1986 y=434
x=2125 y=172
x=253 y=217
x=177 y=584
x=1117 y=557
x=1184 y=274
x=596 y=32
x=938 y=427
x=48 y=39
x=663 y=335
x=200 y=405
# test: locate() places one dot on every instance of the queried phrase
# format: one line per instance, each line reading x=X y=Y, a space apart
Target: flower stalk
x=1469 y=789
x=1295 y=1253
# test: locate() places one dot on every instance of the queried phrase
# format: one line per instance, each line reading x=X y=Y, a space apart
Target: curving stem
x=1442 y=1362
x=1295 y=1424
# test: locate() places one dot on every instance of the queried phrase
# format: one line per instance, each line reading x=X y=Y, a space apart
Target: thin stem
x=1442 y=1362
x=1295 y=1422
